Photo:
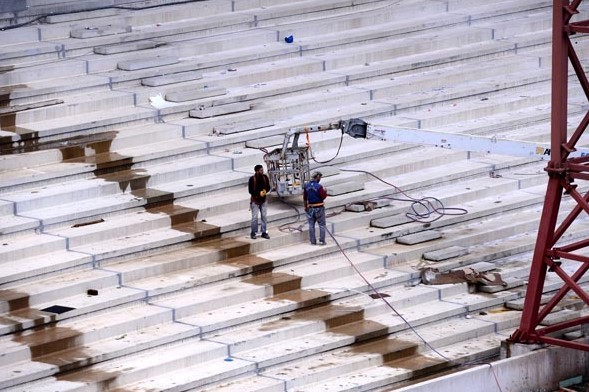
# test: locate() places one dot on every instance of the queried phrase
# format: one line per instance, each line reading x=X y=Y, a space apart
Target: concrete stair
x=127 y=264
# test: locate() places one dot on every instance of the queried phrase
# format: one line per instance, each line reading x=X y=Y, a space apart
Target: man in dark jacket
x=313 y=196
x=258 y=186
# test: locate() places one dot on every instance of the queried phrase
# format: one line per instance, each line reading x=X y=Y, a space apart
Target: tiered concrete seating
x=125 y=254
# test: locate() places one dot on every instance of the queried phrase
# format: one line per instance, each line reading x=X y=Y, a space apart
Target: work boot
x=266 y=236
x=253 y=236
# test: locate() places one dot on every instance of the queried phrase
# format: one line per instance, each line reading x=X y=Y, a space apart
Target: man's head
x=259 y=169
x=317 y=176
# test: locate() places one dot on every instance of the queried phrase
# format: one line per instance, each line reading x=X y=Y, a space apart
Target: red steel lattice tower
x=562 y=173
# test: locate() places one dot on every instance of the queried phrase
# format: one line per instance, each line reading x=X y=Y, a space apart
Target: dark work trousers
x=316 y=215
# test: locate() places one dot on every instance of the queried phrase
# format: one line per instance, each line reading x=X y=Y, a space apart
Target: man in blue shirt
x=313 y=196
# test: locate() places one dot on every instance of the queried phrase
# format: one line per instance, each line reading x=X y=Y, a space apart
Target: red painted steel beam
x=562 y=174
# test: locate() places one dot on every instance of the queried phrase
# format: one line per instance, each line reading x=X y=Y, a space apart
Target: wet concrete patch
x=16 y=300
x=280 y=282
x=254 y=264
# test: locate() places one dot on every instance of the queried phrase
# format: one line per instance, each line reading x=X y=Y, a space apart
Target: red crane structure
x=562 y=171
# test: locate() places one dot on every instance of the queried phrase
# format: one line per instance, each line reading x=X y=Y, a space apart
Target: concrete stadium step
x=134 y=27
x=359 y=317
x=307 y=10
x=21 y=76
x=144 y=15
x=52 y=215
x=256 y=263
x=51 y=130
x=483 y=89
x=126 y=182
x=127 y=343
x=401 y=371
x=334 y=202
x=103 y=198
x=355 y=21
x=74 y=105
x=508 y=244
x=476 y=210
x=33 y=293
x=48 y=262
x=486 y=50
x=231 y=254
x=191 y=353
x=10 y=223
x=258 y=75
x=478 y=196
x=295 y=59
x=283 y=106
x=265 y=50
x=216 y=143
x=208 y=129
x=452 y=74
x=143 y=143
x=504 y=124
x=271 y=301
x=413 y=47
x=502 y=8
x=454 y=112
x=110 y=237
x=506 y=253
x=245 y=218
x=400 y=353
x=473 y=328
x=64 y=307
x=254 y=289
x=76 y=332
x=516 y=26
x=34 y=245
x=338 y=286
x=40 y=90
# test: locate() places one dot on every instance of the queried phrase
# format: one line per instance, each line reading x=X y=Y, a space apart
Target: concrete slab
x=420 y=237
x=213 y=111
x=163 y=80
x=19 y=76
x=99 y=31
x=342 y=188
x=134 y=46
x=560 y=316
x=241 y=126
x=510 y=283
x=34 y=266
x=186 y=95
x=134 y=65
x=390 y=221
x=447 y=253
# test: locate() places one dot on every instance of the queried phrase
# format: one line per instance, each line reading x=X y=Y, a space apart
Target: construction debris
x=468 y=275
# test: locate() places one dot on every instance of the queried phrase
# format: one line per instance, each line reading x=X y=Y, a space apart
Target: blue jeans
x=316 y=215
x=258 y=209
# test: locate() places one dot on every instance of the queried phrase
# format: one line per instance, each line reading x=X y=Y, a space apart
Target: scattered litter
x=159 y=102
x=289 y=39
x=434 y=276
x=232 y=69
x=88 y=223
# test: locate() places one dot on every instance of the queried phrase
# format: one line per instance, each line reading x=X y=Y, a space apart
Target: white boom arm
x=463 y=142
